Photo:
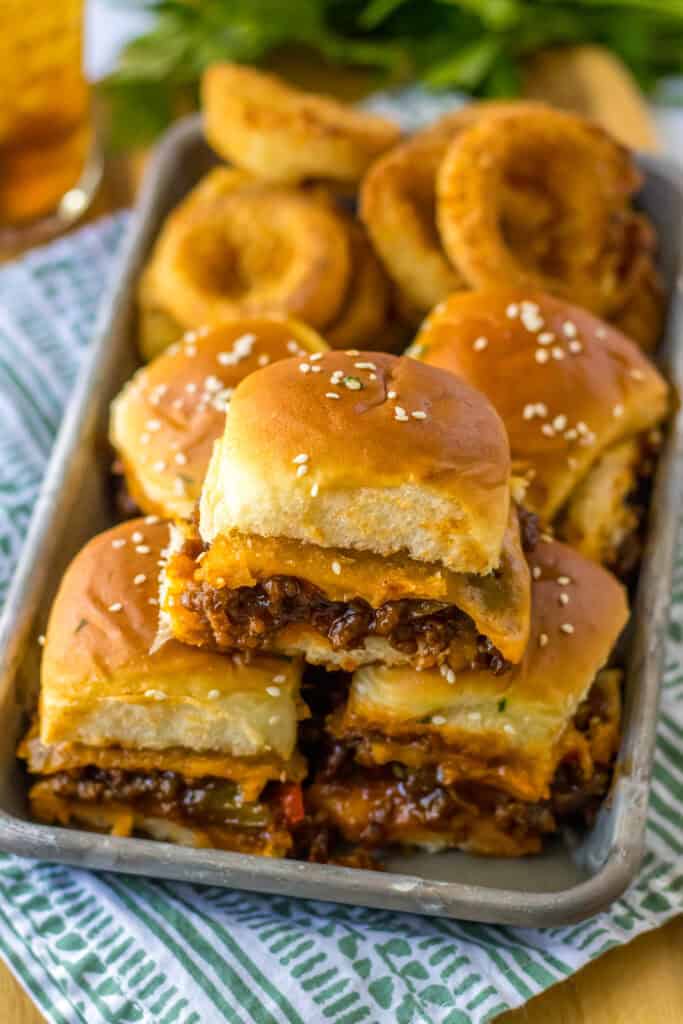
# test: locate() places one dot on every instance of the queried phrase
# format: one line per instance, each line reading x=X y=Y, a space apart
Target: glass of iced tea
x=50 y=165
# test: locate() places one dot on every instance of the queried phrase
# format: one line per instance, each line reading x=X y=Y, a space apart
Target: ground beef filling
x=209 y=801
x=248 y=617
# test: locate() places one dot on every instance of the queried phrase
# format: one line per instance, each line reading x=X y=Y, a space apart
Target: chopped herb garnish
x=502 y=703
x=353 y=383
x=81 y=624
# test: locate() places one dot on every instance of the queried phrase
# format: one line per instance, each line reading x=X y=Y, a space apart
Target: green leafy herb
x=353 y=383
x=502 y=703
x=475 y=45
x=81 y=625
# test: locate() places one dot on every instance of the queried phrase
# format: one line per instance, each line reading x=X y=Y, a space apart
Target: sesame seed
x=314 y=490
x=118 y=542
x=480 y=344
x=41 y=640
x=531 y=318
x=191 y=351
x=567 y=628
x=512 y=311
x=180 y=458
x=536 y=572
x=571 y=434
x=191 y=388
x=564 y=581
x=372 y=376
x=542 y=639
x=159 y=466
x=316 y=356
x=299 y=459
x=509 y=728
x=140 y=578
x=151 y=520
x=332 y=394
x=337 y=377
x=438 y=720
x=152 y=600
x=213 y=694
x=601 y=332
x=316 y=369
x=548 y=430
x=302 y=469
x=292 y=346
x=143 y=549
x=564 y=598
x=575 y=347
x=273 y=691
x=155 y=694
x=547 y=338
x=569 y=329
x=448 y=673
x=528 y=412
x=365 y=366
x=391 y=394
x=137 y=537
x=582 y=428
x=153 y=425
x=352 y=352
x=190 y=336
x=560 y=422
x=336 y=568
x=541 y=409
x=618 y=410
x=115 y=607
x=558 y=353
x=419 y=415
x=304 y=367
x=541 y=356
x=263 y=359
x=636 y=374
x=280 y=678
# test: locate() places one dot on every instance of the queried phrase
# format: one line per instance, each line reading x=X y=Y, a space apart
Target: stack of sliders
x=174 y=743
x=362 y=515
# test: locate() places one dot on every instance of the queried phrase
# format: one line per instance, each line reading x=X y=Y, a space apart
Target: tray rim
x=315 y=881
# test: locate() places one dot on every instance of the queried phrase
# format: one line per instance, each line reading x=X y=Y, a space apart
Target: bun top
x=166 y=419
x=367 y=451
x=102 y=683
x=566 y=384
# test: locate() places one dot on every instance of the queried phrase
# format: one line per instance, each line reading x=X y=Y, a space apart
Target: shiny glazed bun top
x=367 y=451
x=566 y=384
x=165 y=420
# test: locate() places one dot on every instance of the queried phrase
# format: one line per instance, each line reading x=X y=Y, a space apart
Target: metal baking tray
x=562 y=884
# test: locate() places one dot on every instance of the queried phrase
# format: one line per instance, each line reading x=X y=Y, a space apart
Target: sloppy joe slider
x=577 y=397
x=178 y=744
x=488 y=764
x=166 y=419
x=357 y=508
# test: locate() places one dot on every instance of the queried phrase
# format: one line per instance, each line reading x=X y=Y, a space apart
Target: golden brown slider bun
x=101 y=686
x=166 y=419
x=282 y=134
x=567 y=385
x=365 y=451
x=508 y=730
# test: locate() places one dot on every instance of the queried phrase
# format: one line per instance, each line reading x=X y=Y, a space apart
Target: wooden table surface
x=641 y=983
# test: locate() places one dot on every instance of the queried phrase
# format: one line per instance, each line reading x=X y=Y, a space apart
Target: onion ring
x=284 y=135
x=642 y=318
x=397 y=205
x=576 y=165
x=252 y=250
x=365 y=310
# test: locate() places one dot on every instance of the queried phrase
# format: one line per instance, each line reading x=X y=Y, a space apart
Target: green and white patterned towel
x=114 y=949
